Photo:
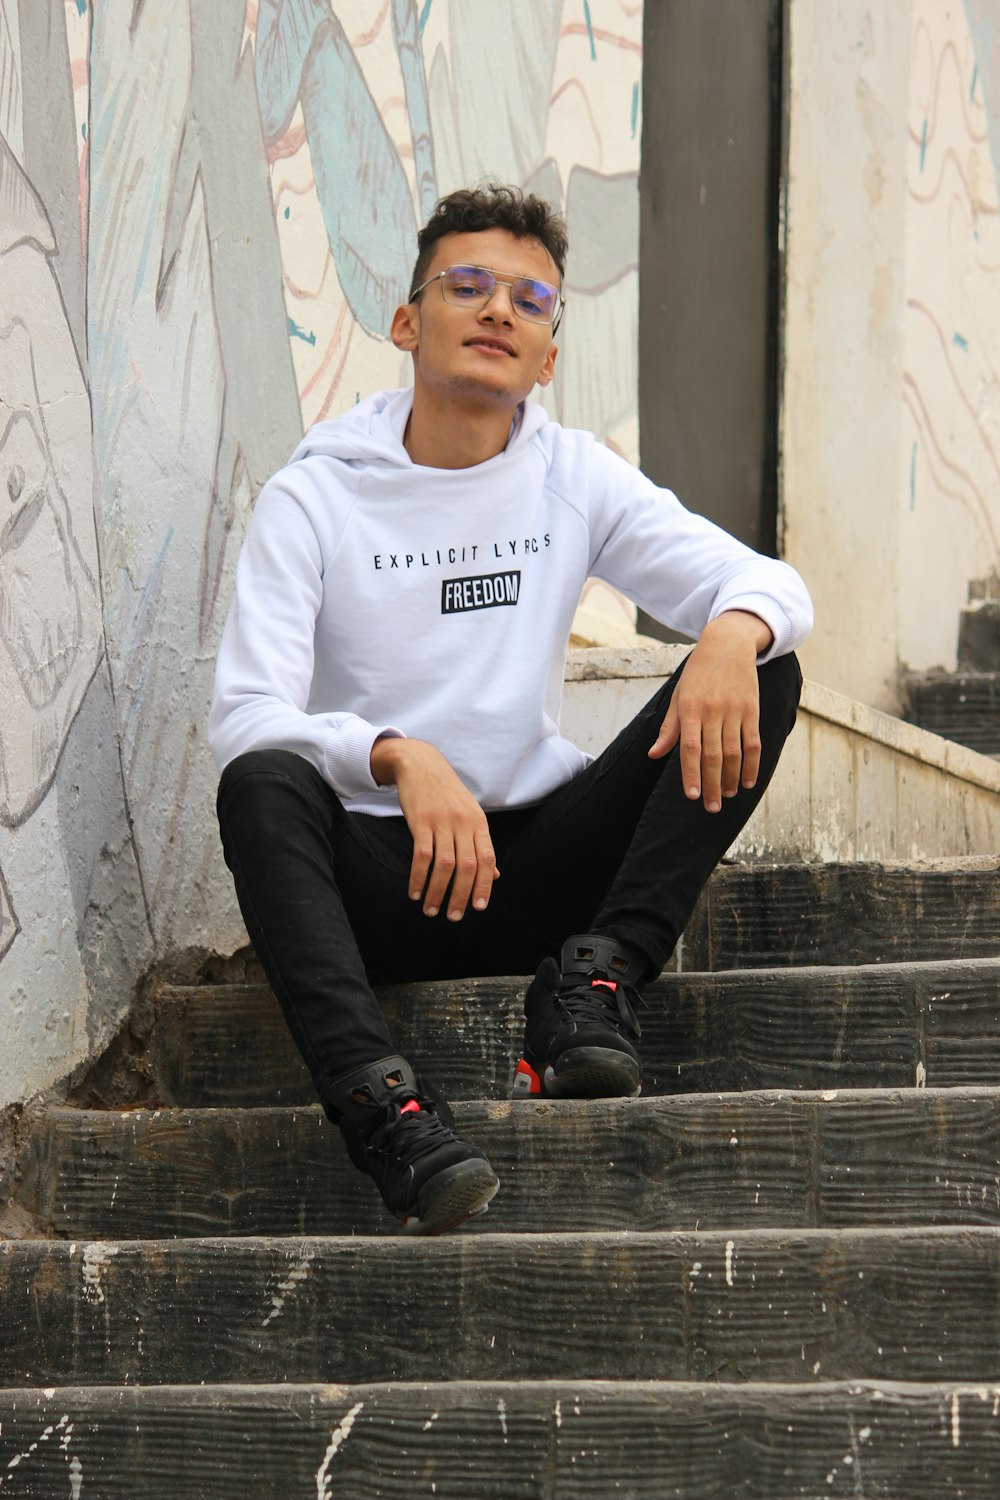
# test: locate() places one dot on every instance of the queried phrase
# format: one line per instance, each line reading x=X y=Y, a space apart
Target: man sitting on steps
x=396 y=800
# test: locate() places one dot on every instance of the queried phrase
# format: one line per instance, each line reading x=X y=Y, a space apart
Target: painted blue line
x=299 y=333
x=913 y=477
x=962 y=342
x=590 y=30
x=635 y=108
x=923 y=144
x=975 y=79
x=147 y=239
x=81 y=7
x=424 y=14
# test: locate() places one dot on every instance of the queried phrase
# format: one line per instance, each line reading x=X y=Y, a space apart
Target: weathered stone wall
x=891 y=400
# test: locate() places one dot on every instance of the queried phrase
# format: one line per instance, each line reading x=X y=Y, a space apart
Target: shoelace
x=409 y=1134
x=583 y=1001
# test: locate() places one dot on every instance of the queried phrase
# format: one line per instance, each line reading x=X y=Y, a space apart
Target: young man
x=396 y=800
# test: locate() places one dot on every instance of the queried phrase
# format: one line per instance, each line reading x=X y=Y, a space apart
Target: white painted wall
x=891 y=397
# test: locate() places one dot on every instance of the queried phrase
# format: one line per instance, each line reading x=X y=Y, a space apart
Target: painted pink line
x=579 y=28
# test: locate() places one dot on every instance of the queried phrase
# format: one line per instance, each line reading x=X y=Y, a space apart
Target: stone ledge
x=854 y=783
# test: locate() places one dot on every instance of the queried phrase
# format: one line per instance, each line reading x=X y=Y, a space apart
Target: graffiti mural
x=205 y=227
x=951 y=457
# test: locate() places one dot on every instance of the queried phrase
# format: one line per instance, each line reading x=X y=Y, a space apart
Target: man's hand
x=715 y=710
x=451 y=837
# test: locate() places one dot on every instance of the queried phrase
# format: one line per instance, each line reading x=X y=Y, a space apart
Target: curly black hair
x=491 y=207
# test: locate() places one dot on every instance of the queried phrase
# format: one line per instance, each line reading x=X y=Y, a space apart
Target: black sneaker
x=580 y=1025
x=398 y=1131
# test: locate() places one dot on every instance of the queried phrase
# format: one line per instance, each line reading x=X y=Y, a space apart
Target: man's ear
x=548 y=366
x=404 y=330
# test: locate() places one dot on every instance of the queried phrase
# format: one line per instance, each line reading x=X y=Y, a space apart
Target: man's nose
x=500 y=304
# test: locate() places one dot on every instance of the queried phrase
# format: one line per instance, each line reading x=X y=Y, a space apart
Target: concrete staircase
x=776 y=1274
x=964 y=706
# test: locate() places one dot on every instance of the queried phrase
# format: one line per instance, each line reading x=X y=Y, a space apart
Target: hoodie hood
x=372 y=431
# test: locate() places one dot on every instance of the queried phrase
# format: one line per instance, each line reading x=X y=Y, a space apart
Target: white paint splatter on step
x=730 y=1259
x=502 y=1409
x=75 y=1478
x=430 y=1421
x=298 y=1274
x=956 y=1426
x=339 y=1435
x=43 y=1437
x=558 y=1414
x=921 y=1075
x=96 y=1259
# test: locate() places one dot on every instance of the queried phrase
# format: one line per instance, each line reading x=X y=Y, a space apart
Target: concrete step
x=764 y=915
x=518 y=1440
x=887 y=1025
x=913 y=1304
x=750 y=1160
x=963 y=706
x=979 y=636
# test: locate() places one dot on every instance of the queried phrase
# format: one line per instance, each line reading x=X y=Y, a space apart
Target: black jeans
x=324 y=893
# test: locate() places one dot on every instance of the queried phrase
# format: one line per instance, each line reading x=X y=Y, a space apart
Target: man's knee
x=260 y=772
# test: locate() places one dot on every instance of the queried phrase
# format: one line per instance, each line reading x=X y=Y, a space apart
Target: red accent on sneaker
x=411 y=1107
x=604 y=984
x=525 y=1070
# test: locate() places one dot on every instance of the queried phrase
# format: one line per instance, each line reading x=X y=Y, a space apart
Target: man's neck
x=456 y=433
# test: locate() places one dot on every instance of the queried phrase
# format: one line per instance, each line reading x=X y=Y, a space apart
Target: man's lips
x=491 y=345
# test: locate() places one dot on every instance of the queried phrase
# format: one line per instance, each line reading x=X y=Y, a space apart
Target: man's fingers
x=474 y=877
x=420 y=868
x=732 y=759
x=447 y=871
x=711 y=766
x=486 y=873
x=751 y=753
x=691 y=759
x=441 y=874
x=466 y=867
x=667 y=737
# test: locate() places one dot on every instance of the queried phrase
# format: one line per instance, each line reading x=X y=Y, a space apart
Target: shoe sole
x=452 y=1196
x=592 y=1073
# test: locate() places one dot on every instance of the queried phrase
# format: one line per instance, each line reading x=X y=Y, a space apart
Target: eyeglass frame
x=507 y=281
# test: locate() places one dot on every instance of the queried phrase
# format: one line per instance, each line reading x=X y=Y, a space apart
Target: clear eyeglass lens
x=535 y=300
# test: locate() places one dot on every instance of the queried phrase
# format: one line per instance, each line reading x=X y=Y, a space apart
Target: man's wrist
x=385 y=759
x=745 y=623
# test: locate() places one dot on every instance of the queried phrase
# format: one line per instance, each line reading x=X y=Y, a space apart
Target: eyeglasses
x=471 y=286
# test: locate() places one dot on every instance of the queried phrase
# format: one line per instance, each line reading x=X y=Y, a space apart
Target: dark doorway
x=712 y=151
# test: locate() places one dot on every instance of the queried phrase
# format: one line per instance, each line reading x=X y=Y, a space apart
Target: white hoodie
x=376 y=595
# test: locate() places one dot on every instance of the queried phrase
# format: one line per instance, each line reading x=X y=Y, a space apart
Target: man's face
x=486 y=350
